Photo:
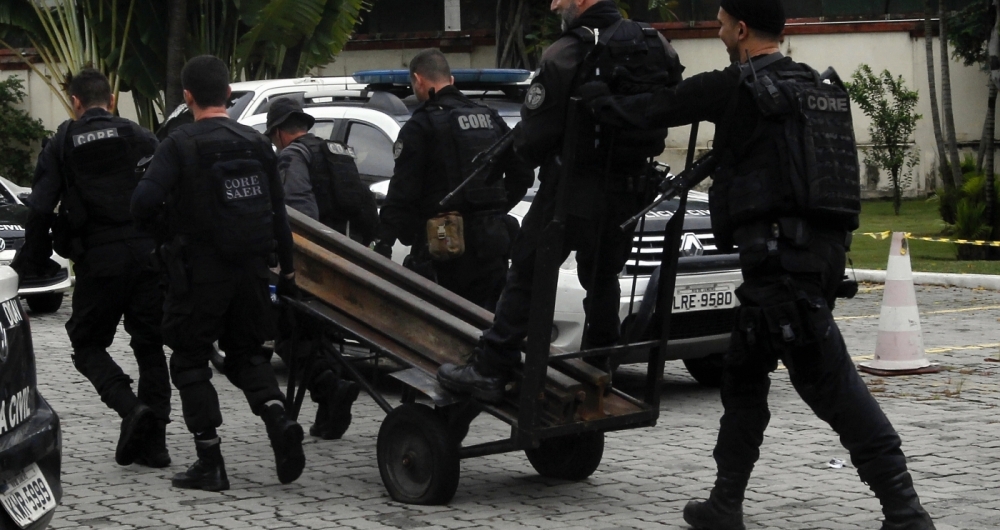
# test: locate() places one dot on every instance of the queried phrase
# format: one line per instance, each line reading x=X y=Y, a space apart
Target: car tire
x=44 y=303
x=706 y=370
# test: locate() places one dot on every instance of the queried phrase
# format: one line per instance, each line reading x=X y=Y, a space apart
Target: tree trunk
x=990 y=189
x=988 y=163
x=176 y=36
x=510 y=40
x=949 y=115
x=932 y=94
x=290 y=64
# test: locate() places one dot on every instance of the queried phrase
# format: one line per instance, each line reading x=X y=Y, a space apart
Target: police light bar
x=462 y=76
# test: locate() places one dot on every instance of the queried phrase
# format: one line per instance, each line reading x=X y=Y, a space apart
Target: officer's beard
x=570 y=14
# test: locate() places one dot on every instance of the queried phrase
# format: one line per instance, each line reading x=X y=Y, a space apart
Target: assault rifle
x=673 y=185
x=483 y=162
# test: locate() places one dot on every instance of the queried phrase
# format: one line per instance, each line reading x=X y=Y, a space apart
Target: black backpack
x=810 y=115
x=347 y=198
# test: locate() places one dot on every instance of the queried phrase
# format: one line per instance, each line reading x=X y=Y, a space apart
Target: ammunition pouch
x=846 y=289
x=445 y=236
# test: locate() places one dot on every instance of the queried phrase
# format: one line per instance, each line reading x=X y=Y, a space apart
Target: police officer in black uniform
x=320 y=177
x=216 y=184
x=321 y=180
x=434 y=153
x=89 y=170
x=792 y=228
x=606 y=189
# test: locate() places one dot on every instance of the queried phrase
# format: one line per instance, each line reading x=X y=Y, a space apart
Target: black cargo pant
x=601 y=252
x=236 y=313
x=99 y=304
x=477 y=275
x=787 y=316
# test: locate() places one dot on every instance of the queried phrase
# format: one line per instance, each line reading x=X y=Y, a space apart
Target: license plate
x=703 y=297
x=27 y=496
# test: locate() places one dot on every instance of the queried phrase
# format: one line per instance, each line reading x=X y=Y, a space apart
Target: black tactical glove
x=286 y=286
x=594 y=90
x=383 y=247
x=599 y=102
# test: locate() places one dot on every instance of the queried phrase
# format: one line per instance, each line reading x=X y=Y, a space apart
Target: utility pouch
x=847 y=288
x=445 y=236
x=799 y=323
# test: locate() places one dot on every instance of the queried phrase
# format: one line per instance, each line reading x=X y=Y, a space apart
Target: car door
x=372 y=148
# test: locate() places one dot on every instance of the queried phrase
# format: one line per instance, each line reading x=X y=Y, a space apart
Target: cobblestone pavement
x=948 y=422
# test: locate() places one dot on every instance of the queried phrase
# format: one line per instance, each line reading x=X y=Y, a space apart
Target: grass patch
x=921 y=218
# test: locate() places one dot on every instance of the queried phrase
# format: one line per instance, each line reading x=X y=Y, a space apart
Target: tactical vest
x=806 y=121
x=223 y=198
x=631 y=59
x=99 y=162
x=462 y=131
x=340 y=194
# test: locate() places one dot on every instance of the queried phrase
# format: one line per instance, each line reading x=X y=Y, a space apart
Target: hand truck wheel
x=417 y=456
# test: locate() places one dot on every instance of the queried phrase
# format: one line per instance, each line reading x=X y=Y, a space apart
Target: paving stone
x=948 y=422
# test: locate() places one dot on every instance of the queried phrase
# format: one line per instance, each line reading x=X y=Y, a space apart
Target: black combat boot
x=724 y=508
x=891 y=482
x=335 y=398
x=481 y=381
x=286 y=440
x=153 y=452
x=208 y=473
x=133 y=431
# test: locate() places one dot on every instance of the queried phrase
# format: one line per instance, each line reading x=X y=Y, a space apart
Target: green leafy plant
x=18 y=131
x=890 y=106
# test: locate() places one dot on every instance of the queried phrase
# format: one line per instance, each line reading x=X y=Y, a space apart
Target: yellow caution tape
x=908 y=235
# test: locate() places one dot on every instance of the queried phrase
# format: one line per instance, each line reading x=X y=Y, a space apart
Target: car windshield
x=237 y=102
x=6 y=197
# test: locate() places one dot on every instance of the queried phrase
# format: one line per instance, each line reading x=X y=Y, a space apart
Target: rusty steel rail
x=422 y=325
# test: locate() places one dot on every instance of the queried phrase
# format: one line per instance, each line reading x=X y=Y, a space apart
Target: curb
x=968 y=281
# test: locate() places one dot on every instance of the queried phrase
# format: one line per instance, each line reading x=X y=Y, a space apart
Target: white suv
x=704 y=300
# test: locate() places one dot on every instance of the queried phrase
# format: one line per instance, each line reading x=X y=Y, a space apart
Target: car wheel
x=706 y=370
x=44 y=303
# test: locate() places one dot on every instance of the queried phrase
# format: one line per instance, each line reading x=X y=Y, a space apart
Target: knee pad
x=199 y=401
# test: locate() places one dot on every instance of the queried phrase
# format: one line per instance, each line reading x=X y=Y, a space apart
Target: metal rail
x=422 y=325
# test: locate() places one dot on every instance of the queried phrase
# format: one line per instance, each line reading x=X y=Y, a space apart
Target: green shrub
x=971 y=223
x=17 y=133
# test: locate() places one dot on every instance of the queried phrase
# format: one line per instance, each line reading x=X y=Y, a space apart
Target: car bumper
x=36 y=441
x=60 y=283
x=694 y=334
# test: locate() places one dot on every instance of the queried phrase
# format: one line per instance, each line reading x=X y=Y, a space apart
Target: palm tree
x=949 y=115
x=141 y=46
x=946 y=176
x=176 y=40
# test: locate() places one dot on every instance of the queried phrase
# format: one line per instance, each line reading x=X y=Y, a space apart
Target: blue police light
x=491 y=76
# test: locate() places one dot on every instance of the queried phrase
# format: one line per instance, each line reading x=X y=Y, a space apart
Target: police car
x=30 y=440
x=368 y=119
x=43 y=295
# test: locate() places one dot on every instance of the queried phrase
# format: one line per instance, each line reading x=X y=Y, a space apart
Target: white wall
x=897 y=52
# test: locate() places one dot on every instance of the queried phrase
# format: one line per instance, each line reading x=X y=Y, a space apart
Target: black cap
x=283 y=108
x=765 y=15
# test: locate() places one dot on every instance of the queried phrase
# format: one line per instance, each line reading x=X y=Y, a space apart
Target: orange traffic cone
x=899 y=348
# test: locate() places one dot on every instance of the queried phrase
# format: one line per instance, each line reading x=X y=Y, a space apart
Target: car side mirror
x=23 y=196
